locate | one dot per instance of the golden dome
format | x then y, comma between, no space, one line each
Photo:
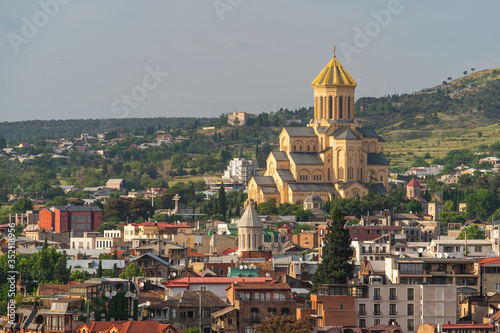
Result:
334,74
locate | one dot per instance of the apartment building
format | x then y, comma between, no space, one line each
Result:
71,218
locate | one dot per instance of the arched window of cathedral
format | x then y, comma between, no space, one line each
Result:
300,148
294,148
381,178
314,148
330,107
328,173
307,147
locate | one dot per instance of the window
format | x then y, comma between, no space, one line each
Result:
410,294
497,286
410,310
285,312
230,321
392,310
203,287
410,326
272,312
376,321
392,294
376,309
362,323
362,310
341,306
478,249
376,294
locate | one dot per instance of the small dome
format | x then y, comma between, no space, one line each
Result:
313,198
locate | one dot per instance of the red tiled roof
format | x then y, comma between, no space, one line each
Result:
163,225
413,182
51,289
230,250
490,261
183,282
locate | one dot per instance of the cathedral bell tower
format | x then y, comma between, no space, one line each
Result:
333,93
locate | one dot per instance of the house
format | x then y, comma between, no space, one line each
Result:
189,308
255,301
460,248
217,284
239,118
117,184
154,266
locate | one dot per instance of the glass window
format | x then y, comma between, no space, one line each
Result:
410,325
376,293
410,293
410,310
362,323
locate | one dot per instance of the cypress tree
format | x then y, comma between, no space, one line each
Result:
221,201
99,269
336,262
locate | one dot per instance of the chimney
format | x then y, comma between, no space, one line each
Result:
448,323
189,281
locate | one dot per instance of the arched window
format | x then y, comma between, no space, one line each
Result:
381,178
330,104
340,107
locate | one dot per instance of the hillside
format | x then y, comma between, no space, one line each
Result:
461,113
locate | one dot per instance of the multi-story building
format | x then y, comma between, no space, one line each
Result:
370,305
490,275
239,118
258,301
71,218
31,217
241,170
460,272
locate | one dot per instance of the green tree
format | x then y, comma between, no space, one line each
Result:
481,204
131,271
61,271
21,206
99,269
413,206
192,330
221,201
473,232
287,324
336,265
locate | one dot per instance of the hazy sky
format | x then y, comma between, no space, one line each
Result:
63,59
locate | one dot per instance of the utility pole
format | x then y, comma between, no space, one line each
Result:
199,293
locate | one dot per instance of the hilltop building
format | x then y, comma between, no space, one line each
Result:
333,156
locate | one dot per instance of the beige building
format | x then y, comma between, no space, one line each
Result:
333,156
239,118
408,305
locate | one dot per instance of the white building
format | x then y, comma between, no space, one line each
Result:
422,171
241,169
455,248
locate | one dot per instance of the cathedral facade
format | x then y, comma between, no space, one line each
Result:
334,156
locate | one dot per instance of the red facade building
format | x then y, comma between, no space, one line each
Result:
76,219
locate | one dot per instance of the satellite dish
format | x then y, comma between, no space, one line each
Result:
148,303
141,284
113,293
128,294
446,255
440,255
268,275
420,250
241,266
254,267
491,311
246,267
133,295
107,294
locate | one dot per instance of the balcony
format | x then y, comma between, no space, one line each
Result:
254,319
362,313
377,313
377,297
393,297
393,313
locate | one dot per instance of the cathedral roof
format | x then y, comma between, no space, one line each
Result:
300,131
334,74
347,134
269,189
306,158
377,159
313,198
250,218
285,175
380,188
264,180
367,132
312,187
280,155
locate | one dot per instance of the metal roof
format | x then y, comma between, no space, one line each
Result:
306,158
377,159
264,180
316,187
300,131
285,175
280,155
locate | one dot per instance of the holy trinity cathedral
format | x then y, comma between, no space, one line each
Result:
333,156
